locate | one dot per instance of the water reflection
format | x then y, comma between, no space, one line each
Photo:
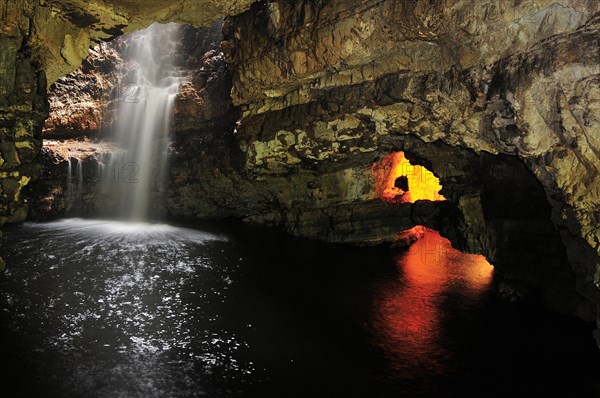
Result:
95,309
121,309
409,311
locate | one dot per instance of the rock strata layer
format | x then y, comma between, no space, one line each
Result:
328,84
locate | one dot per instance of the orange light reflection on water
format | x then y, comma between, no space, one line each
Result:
408,311
422,183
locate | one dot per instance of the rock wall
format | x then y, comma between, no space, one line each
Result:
23,109
85,102
324,84
64,30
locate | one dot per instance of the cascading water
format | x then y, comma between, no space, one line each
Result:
69,182
74,192
146,95
78,199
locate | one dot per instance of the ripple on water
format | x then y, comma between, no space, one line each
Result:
124,309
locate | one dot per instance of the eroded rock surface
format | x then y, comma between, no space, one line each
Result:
85,102
327,82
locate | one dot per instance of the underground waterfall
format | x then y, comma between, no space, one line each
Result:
133,171
144,119
300,199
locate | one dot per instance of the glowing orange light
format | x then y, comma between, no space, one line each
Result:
419,183
409,312
432,261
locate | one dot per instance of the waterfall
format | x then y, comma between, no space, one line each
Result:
69,195
146,97
74,186
78,188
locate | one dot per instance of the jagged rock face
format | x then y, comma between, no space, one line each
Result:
203,97
85,102
319,44
81,103
327,82
64,30
23,109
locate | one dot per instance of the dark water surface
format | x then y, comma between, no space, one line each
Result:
107,309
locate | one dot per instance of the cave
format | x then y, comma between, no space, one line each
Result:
241,198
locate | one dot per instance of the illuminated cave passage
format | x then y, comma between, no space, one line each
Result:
213,208
399,181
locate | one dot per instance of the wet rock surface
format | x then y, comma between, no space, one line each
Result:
324,83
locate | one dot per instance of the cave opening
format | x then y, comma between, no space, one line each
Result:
399,181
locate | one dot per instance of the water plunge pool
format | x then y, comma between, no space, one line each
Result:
108,309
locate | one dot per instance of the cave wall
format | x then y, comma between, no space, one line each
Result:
23,108
325,83
527,245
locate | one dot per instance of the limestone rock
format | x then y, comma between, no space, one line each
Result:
85,101
64,29
519,79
